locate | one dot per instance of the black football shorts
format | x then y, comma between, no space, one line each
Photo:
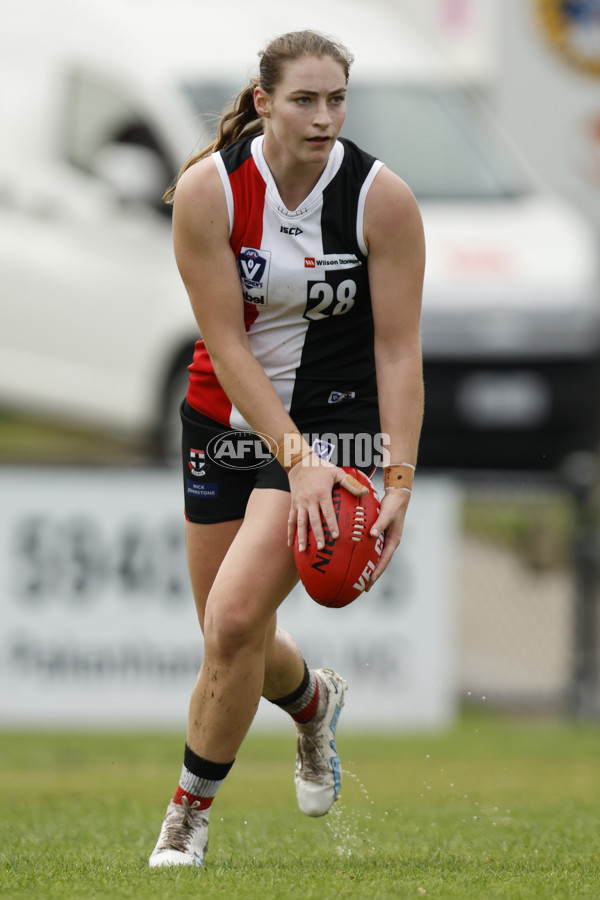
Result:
221,468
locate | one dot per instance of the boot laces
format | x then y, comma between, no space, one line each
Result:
180,824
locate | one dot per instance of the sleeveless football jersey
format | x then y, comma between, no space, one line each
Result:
305,289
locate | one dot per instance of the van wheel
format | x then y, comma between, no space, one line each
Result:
168,443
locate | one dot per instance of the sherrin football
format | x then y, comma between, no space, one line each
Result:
336,575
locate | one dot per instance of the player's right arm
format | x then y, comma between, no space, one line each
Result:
209,271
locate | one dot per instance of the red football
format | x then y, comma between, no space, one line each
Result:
337,574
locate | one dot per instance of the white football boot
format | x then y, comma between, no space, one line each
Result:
318,775
183,837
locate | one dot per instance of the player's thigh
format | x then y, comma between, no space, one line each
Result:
206,547
258,571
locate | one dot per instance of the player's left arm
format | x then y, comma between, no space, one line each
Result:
395,240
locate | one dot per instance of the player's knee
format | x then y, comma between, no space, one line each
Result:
229,631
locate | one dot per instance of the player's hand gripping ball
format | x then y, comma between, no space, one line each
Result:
336,575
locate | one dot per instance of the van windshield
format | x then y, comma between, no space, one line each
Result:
441,140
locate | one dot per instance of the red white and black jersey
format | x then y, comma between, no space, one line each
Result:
305,288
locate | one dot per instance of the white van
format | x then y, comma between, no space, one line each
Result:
101,101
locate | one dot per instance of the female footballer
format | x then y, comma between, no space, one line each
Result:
303,258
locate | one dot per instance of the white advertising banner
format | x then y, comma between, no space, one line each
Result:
98,626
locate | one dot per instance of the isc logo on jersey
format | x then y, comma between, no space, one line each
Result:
253,266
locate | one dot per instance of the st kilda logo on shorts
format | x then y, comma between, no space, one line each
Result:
197,463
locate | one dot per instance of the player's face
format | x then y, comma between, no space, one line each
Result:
305,113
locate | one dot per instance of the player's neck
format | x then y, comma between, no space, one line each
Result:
295,179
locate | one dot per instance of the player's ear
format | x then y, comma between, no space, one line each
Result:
262,102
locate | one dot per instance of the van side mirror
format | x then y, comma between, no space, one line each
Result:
135,173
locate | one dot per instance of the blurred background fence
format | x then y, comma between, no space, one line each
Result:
493,602
527,588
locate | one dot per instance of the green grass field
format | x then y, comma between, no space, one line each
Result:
493,808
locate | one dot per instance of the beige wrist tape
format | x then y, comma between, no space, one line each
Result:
291,450
401,477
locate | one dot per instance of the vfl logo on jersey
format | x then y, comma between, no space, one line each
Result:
323,449
253,266
340,396
197,463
